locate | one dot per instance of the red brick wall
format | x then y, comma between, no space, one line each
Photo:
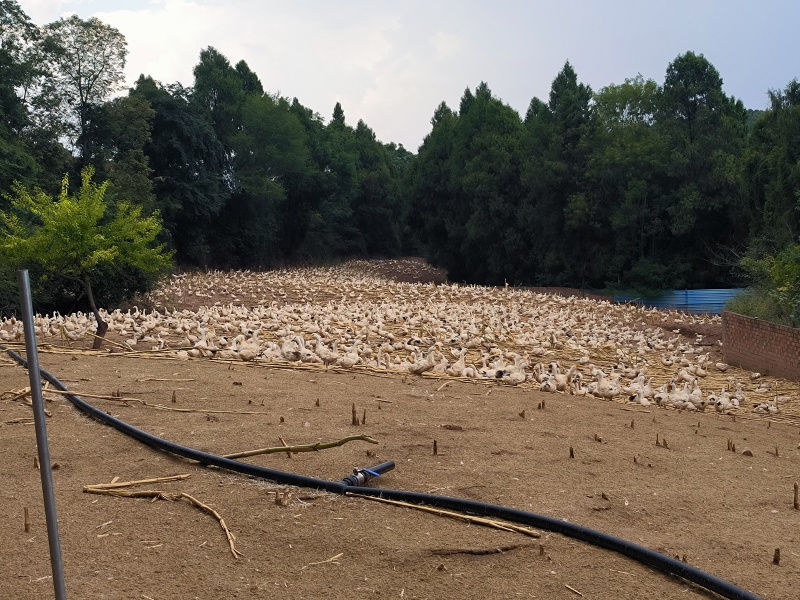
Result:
760,346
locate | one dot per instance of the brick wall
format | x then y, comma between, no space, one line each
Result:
756,345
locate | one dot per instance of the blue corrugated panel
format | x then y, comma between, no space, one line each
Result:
690,301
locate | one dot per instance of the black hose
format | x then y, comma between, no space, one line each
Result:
641,554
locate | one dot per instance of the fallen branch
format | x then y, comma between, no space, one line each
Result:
332,559
125,400
159,494
123,345
285,445
454,515
478,551
23,395
13,395
19,421
573,590
302,447
160,379
114,484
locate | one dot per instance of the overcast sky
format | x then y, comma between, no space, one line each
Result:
392,63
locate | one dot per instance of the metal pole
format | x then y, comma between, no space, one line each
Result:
41,435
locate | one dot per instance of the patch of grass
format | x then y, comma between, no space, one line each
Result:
759,304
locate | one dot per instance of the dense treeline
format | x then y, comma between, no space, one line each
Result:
641,184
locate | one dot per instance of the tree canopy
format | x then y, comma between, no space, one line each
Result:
77,239
641,184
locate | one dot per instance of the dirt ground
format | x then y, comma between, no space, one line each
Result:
690,497
725,512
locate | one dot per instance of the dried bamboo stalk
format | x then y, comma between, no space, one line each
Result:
115,484
303,447
158,406
172,496
454,515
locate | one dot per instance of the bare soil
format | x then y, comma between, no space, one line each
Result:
725,512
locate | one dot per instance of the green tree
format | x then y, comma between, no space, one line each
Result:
220,90
486,181
556,148
87,62
627,173
268,154
705,131
465,190
188,164
17,35
434,212
117,133
311,231
77,239
772,172
341,179
773,293
376,205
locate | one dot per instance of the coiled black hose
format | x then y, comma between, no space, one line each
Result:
638,553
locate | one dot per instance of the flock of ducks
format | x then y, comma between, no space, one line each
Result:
352,317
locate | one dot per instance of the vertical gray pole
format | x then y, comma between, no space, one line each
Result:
41,435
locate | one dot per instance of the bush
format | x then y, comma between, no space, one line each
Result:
775,288
759,304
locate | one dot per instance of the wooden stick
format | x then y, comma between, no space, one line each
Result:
285,445
796,496
303,447
13,395
573,590
114,484
27,520
332,559
211,511
478,552
160,494
454,515
18,421
160,406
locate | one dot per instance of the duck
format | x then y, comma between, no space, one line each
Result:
548,385
458,367
328,356
608,388
768,408
350,359
423,365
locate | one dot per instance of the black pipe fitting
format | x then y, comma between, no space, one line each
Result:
362,476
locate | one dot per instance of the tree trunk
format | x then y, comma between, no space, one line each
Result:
102,326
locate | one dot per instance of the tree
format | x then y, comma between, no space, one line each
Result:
772,172
627,170
17,34
465,189
75,239
434,214
269,151
117,133
219,90
187,162
557,141
88,58
705,131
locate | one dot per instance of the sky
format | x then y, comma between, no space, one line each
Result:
392,63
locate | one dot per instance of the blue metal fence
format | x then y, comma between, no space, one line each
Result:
690,301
